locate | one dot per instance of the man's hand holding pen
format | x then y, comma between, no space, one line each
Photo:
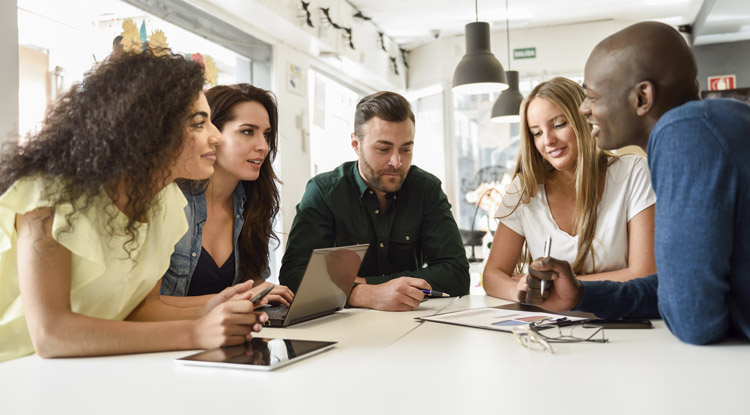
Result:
563,295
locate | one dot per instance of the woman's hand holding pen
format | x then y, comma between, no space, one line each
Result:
563,295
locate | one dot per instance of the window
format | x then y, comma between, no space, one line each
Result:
332,106
58,43
485,154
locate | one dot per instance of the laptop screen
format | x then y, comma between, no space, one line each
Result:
327,281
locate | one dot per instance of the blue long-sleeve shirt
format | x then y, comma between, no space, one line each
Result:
699,156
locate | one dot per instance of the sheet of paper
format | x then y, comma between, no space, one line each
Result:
493,318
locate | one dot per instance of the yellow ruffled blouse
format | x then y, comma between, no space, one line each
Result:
105,282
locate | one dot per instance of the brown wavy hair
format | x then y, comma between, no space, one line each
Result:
120,128
262,195
386,105
532,169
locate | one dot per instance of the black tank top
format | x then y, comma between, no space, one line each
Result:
209,278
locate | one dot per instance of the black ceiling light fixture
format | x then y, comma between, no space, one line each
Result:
506,108
478,72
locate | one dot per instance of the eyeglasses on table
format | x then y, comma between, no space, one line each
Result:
540,335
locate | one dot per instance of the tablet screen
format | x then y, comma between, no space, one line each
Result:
258,354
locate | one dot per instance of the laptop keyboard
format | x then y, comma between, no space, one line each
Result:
276,312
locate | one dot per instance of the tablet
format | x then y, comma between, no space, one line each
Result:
258,354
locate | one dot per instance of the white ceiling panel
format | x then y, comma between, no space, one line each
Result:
411,23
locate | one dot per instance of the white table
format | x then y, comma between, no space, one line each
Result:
390,363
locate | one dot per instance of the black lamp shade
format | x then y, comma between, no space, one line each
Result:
507,105
478,72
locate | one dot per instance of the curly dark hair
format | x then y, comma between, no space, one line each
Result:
121,128
263,193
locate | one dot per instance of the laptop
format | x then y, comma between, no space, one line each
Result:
325,286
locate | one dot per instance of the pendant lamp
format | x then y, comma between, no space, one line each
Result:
478,72
506,108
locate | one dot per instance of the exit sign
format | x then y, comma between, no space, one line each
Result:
524,53
722,82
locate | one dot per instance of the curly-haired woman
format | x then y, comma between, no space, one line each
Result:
89,215
231,217
597,208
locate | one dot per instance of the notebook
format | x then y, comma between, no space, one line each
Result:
503,318
325,286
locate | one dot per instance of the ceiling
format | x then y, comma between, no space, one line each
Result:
411,23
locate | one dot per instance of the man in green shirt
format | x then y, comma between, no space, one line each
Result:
381,199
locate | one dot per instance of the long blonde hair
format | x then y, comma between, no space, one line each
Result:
532,169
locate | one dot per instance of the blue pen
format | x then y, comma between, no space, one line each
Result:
433,293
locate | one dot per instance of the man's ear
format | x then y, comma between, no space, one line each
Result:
644,95
355,143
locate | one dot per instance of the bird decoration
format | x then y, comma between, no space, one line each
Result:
347,30
381,42
403,57
359,15
306,14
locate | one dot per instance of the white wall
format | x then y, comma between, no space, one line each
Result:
8,69
294,140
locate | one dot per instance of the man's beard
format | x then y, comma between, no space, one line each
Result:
376,179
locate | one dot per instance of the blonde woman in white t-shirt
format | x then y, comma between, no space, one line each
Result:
597,208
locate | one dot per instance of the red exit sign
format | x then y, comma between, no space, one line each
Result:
722,82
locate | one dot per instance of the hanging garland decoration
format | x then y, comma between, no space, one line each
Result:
403,57
381,42
306,15
359,15
347,30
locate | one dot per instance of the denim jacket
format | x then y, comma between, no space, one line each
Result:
177,279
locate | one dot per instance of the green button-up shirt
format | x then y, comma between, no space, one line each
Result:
415,236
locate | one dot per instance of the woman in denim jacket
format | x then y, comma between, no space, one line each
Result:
230,217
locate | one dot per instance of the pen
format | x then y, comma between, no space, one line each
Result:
433,293
255,300
547,248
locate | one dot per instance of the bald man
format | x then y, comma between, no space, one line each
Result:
642,89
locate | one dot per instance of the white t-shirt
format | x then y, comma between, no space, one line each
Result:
627,191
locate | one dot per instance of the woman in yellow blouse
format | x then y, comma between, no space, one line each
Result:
89,216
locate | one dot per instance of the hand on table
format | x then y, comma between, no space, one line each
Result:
400,294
